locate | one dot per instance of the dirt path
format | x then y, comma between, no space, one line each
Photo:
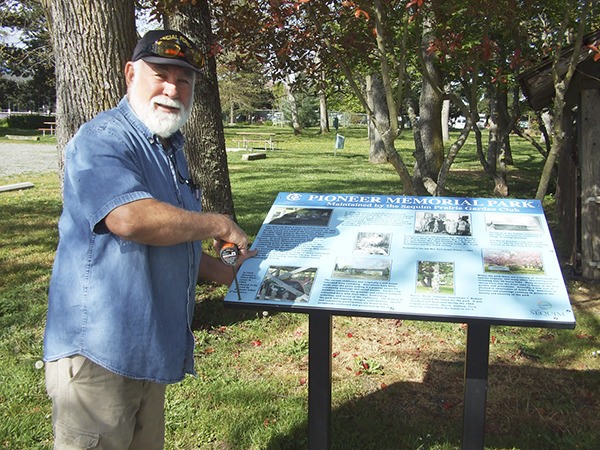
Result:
20,158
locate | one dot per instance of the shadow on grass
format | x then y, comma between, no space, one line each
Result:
211,313
28,238
527,408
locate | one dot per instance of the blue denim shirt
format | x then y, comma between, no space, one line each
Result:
126,306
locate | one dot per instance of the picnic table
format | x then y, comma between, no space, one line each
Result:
246,139
50,127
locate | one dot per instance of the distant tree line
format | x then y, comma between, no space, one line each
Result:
401,61
27,81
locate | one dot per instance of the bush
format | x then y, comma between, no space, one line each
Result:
28,121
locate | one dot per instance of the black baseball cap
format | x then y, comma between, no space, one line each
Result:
168,47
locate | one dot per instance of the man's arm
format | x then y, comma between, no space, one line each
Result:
151,222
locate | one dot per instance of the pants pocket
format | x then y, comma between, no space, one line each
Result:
69,438
61,372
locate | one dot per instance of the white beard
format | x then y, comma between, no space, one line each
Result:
161,123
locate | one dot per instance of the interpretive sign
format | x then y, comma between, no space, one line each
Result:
456,259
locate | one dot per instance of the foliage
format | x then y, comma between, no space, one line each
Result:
343,42
306,106
242,90
27,121
26,56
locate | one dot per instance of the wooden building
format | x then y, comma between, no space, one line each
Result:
578,181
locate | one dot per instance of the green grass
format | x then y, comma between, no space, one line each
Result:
251,388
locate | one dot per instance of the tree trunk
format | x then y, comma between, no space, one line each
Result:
505,124
205,146
557,135
496,164
445,119
546,125
323,115
430,124
92,41
493,137
293,109
378,104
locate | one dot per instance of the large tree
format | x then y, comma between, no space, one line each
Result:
205,146
92,40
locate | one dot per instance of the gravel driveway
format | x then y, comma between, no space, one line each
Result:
23,157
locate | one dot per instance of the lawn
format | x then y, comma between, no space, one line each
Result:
396,384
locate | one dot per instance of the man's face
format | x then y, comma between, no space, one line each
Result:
160,95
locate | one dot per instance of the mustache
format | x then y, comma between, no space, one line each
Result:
166,101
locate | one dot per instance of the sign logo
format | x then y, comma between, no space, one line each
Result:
293,197
542,304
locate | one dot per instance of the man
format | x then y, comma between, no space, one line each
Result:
121,296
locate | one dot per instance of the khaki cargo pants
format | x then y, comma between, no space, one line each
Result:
93,408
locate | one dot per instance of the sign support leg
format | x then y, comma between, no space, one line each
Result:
476,378
319,380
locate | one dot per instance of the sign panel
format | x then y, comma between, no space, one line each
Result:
426,258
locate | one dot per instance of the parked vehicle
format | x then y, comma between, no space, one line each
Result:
459,123
482,122
523,123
